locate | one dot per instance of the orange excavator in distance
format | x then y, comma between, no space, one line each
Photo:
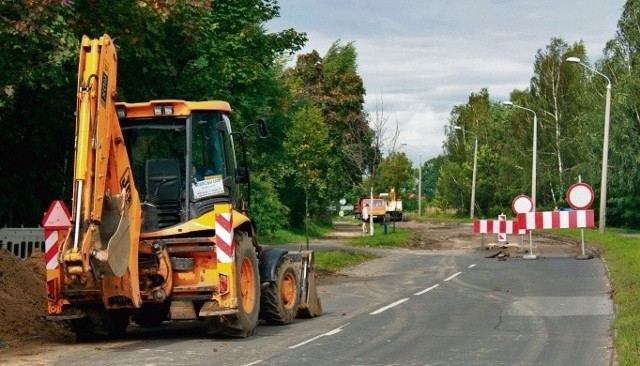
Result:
159,228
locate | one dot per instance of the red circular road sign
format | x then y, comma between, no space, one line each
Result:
522,204
580,196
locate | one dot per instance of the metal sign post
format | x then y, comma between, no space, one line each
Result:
580,197
524,204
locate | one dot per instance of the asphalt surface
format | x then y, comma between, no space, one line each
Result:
408,307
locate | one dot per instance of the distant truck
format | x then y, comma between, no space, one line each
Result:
393,206
377,208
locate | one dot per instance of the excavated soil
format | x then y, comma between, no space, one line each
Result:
22,304
442,236
459,236
23,328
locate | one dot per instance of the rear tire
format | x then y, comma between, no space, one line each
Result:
279,300
100,324
151,315
248,289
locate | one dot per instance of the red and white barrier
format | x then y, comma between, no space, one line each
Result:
574,219
497,227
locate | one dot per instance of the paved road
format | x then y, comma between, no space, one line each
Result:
459,308
406,308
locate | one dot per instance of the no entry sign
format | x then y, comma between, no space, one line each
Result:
522,204
580,196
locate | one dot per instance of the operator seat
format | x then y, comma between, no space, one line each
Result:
163,189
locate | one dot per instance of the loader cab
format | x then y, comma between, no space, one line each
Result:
182,157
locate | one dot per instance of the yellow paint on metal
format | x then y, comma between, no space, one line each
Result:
204,222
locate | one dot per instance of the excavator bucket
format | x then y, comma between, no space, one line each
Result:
310,305
112,259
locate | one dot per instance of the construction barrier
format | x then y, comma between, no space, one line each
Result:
22,241
497,227
574,219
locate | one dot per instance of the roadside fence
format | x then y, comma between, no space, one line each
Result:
22,241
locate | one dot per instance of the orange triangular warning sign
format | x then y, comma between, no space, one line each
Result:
57,216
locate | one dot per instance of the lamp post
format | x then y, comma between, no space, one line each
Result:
605,146
475,164
419,184
535,149
533,171
419,179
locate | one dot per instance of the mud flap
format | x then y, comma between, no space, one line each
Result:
310,305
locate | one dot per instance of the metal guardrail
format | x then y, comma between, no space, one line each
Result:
22,241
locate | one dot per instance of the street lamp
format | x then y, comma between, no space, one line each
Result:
533,170
605,145
535,149
475,161
419,179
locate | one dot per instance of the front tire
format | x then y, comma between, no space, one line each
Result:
279,300
247,288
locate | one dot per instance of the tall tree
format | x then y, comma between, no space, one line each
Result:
38,48
395,170
167,49
333,85
430,174
498,157
621,64
308,146
555,95
384,138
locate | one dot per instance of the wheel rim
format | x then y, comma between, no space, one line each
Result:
288,290
247,285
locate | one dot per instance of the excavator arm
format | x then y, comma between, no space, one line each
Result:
106,213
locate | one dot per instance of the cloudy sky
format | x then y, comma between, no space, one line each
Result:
420,58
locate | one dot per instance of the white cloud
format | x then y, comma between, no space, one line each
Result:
421,58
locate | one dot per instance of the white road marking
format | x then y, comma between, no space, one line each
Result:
331,332
376,312
452,276
253,363
388,306
426,290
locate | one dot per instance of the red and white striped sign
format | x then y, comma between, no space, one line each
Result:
51,249
502,236
224,238
497,227
556,219
56,218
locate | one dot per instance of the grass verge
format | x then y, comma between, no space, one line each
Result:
397,238
295,235
335,260
329,261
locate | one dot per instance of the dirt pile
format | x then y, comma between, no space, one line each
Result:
23,302
440,235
